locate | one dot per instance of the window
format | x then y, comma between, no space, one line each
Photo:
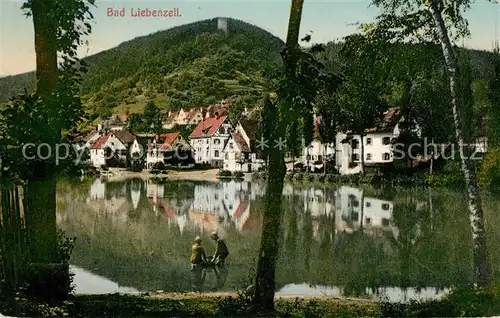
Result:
368,156
208,141
355,157
355,216
355,144
368,220
320,158
386,156
385,222
226,156
385,206
216,154
216,141
368,204
368,141
386,140
355,203
216,196
230,145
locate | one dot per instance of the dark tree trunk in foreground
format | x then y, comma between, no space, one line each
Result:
482,267
265,283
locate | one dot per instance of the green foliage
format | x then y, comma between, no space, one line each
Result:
187,66
450,176
494,107
238,175
225,173
158,166
489,173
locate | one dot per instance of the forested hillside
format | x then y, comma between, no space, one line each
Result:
190,66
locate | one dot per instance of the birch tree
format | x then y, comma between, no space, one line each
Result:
441,22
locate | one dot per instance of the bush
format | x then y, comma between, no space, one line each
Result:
136,166
159,166
489,173
238,175
225,173
320,178
298,176
331,178
309,177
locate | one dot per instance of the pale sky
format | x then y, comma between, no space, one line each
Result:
328,20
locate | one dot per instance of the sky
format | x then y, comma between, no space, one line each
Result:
328,20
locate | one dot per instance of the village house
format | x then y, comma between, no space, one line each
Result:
317,153
114,149
208,140
377,142
194,116
168,148
240,153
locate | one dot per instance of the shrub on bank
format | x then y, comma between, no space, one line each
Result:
489,173
238,175
225,174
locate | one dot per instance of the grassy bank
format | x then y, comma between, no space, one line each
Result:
467,303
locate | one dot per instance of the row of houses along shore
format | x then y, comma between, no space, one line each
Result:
234,146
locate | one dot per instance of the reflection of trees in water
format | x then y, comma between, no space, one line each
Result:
420,252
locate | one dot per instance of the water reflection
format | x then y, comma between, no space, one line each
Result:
346,241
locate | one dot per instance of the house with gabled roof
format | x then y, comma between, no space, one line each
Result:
208,140
114,149
240,150
168,148
377,143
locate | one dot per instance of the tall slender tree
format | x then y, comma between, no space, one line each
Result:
435,20
291,105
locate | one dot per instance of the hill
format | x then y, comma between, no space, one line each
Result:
195,64
192,65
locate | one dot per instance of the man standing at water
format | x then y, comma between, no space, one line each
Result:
221,251
198,260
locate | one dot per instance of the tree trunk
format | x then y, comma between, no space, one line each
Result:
269,247
45,30
265,283
40,205
483,271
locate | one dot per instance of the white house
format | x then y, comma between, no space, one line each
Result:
208,140
377,142
167,146
240,152
113,149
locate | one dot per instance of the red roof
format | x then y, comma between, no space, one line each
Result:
238,139
208,127
169,138
99,143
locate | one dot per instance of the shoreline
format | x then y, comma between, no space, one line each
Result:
120,174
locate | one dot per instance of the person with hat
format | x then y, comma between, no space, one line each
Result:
221,251
198,260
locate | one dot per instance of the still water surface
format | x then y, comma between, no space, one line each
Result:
135,236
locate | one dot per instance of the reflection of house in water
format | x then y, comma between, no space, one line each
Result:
222,204
108,202
170,207
356,211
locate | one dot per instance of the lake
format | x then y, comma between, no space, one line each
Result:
399,244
